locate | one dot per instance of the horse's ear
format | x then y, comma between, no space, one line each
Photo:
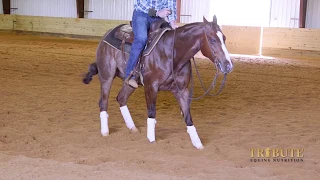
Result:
205,20
215,21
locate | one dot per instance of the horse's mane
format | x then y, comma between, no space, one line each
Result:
196,24
191,25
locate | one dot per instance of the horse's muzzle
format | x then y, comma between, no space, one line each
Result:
229,67
225,68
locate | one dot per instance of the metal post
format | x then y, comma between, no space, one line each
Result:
6,6
80,8
303,13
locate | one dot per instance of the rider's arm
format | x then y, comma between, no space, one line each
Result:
172,4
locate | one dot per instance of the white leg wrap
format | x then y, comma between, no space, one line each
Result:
151,129
104,123
127,117
194,137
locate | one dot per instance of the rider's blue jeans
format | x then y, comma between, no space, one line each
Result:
140,24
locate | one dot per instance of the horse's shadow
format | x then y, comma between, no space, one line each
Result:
164,133
115,128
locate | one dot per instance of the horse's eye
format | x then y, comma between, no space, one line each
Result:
213,40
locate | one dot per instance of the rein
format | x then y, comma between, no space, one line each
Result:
213,84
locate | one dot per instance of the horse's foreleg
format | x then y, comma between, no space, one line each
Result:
122,99
183,99
151,98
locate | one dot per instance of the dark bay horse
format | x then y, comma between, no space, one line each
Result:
166,68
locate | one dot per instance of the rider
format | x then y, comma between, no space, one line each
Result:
145,12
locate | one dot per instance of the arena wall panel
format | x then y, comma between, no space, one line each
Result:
243,39
73,26
298,43
7,21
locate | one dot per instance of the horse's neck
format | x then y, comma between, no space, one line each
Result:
189,41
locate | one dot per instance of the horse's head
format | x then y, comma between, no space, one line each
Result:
213,46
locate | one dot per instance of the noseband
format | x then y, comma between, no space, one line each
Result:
213,84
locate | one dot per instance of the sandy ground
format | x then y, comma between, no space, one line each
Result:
50,129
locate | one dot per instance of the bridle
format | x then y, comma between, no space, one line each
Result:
213,84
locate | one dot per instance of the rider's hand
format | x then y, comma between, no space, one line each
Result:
173,24
163,12
152,12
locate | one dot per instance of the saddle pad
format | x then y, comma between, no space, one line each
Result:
116,43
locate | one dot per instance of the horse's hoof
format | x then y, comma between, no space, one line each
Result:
105,134
134,130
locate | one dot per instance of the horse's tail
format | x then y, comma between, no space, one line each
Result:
93,70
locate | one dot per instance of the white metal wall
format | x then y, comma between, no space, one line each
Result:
193,11
109,9
285,13
313,14
1,7
241,12
54,8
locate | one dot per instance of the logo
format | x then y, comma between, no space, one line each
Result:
276,155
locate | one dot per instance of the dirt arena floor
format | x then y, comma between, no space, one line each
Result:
50,127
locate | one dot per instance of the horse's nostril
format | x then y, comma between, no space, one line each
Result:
218,65
229,67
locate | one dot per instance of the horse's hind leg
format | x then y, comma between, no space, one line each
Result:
183,99
107,69
103,104
122,99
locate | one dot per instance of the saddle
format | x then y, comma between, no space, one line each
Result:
125,32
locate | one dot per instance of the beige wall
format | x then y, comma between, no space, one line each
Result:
74,26
276,42
291,43
242,39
